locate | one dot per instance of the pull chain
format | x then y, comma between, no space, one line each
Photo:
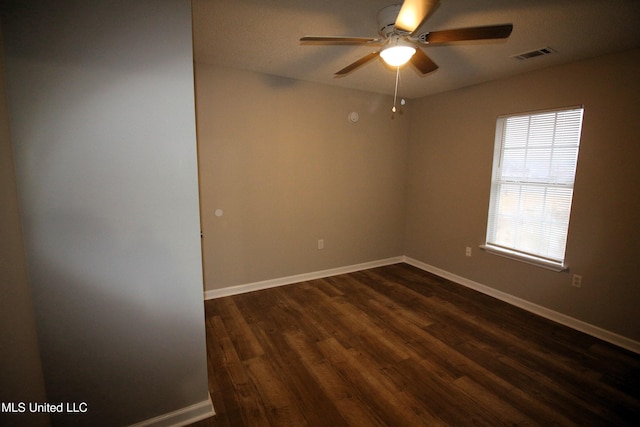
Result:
395,94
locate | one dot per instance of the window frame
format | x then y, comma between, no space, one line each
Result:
497,181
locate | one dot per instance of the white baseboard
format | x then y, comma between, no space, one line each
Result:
182,417
266,284
563,319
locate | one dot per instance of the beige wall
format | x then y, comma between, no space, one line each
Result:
20,366
287,168
451,149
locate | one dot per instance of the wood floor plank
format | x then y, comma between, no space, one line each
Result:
377,391
396,346
301,384
228,378
239,331
320,310
584,410
512,387
440,396
507,414
228,357
280,408
334,386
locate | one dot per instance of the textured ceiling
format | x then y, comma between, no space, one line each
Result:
263,36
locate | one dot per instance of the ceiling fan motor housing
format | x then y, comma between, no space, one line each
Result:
387,20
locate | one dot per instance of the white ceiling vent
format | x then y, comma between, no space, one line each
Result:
532,54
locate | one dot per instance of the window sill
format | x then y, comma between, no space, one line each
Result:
549,265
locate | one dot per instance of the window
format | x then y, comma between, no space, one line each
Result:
534,168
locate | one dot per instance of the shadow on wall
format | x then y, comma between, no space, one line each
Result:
110,333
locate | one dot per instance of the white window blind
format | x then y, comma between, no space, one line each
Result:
532,184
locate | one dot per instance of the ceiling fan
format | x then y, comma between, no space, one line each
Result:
400,43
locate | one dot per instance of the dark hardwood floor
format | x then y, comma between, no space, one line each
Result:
396,346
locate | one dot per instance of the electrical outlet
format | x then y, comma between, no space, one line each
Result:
320,243
468,251
576,281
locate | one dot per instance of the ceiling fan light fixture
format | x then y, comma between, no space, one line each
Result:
397,54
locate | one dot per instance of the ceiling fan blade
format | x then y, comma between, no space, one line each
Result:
337,40
413,13
422,62
472,33
359,62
